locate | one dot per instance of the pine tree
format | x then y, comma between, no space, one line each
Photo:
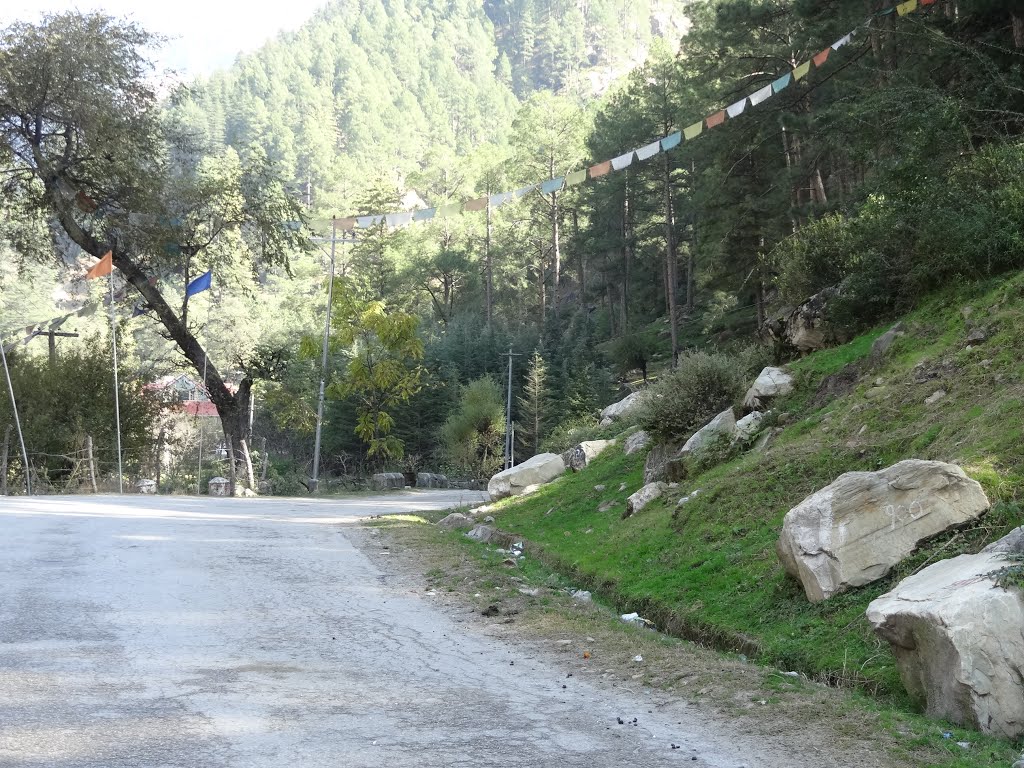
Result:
534,404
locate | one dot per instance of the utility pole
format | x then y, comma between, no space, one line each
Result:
334,239
17,420
509,436
52,341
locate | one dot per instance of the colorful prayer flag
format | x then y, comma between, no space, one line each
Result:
501,198
345,225
693,131
524,191
671,141
904,8
551,186
822,57
479,204
648,151
927,2
622,161
761,95
576,177
844,40
801,72
424,214
782,82
200,284
601,169
716,119
735,110
103,267
447,211
400,219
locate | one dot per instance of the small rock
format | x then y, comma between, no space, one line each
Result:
455,521
622,487
509,562
599,488
481,533
977,336
581,595
638,658
489,519
935,397
529,592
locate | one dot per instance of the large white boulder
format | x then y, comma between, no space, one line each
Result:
959,640
748,427
583,453
855,530
643,497
384,481
542,468
721,427
771,382
621,409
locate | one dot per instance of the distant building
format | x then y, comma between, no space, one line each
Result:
183,393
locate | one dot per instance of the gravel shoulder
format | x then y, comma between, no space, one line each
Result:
768,717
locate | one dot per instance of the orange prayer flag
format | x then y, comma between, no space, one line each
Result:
345,225
716,119
822,57
600,169
477,205
103,267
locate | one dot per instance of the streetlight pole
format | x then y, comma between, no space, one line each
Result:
17,421
334,239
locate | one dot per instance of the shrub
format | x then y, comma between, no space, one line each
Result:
686,399
473,436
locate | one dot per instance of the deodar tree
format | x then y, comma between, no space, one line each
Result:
83,138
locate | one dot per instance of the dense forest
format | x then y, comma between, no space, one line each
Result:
885,169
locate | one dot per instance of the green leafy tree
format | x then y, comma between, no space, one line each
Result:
383,352
473,436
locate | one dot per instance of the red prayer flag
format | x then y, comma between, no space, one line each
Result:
822,57
477,205
345,225
716,119
103,267
601,169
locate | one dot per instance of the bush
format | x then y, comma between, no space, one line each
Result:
571,433
686,399
473,436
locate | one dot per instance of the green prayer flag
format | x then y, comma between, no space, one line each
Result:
575,178
693,131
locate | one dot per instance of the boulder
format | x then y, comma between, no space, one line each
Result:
748,427
454,521
384,481
583,453
656,465
881,345
621,409
482,533
219,486
542,468
431,480
636,442
722,427
147,487
643,497
855,530
957,639
770,383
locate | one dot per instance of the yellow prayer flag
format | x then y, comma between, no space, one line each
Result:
904,8
801,72
102,268
693,131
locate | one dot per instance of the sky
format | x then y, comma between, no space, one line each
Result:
206,34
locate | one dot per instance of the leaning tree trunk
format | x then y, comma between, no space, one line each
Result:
229,407
1017,21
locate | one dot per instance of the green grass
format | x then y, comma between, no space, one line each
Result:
708,570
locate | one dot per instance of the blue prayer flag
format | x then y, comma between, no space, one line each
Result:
199,285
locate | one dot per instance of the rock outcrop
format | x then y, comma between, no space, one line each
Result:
636,442
643,497
656,467
719,428
770,383
583,453
855,530
542,468
958,639
384,481
620,410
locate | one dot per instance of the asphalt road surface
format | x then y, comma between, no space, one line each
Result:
199,633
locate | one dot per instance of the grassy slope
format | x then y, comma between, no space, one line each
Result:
709,571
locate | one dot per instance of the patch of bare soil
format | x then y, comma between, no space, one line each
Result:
524,605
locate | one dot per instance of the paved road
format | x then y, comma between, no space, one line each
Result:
201,633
